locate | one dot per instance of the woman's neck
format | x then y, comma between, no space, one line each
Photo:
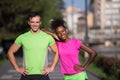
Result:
66,40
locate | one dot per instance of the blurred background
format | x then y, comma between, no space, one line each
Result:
95,22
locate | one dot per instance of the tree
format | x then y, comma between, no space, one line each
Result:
91,2
13,13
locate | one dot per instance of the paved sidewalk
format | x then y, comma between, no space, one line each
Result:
8,73
57,76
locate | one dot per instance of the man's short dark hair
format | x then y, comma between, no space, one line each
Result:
33,14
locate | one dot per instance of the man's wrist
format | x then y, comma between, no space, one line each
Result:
16,68
51,69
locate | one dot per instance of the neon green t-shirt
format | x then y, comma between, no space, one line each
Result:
35,49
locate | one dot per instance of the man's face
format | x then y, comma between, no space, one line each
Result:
35,23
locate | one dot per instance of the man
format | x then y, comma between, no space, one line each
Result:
35,44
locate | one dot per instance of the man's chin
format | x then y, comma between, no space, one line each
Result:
35,30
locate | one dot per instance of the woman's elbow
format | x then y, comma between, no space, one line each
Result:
94,54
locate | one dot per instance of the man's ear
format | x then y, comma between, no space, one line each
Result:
40,22
28,22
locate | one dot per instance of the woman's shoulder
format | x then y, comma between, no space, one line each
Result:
75,39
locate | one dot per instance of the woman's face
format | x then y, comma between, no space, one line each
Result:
62,33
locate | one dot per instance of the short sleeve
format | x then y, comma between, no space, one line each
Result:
52,41
78,43
18,40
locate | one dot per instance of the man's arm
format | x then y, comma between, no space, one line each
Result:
54,62
13,49
56,57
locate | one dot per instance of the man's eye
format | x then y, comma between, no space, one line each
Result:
32,22
37,22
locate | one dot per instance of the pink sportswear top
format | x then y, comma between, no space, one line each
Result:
69,55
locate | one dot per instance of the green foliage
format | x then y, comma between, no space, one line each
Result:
60,4
110,66
91,2
99,61
106,68
13,13
97,71
2,61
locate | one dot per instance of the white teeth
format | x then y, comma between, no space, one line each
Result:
34,27
63,36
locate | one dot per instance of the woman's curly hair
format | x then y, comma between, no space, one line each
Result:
55,23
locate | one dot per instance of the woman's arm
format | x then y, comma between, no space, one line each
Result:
50,33
92,55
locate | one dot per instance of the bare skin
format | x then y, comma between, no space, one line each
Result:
34,23
62,35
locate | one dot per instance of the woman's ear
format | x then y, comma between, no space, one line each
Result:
67,30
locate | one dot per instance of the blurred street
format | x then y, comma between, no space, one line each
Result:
8,73
107,51
95,22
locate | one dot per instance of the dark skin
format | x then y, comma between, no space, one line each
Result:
92,55
62,35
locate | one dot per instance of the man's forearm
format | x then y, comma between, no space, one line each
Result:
13,49
13,60
55,61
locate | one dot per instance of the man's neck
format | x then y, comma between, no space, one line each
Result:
35,32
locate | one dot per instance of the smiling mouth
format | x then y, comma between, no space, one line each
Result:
35,27
62,36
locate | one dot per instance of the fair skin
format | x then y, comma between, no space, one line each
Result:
62,34
34,23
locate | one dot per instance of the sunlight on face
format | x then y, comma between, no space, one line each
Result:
61,33
35,23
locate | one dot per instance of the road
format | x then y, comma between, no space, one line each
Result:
108,51
8,73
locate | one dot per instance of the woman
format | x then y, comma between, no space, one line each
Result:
69,49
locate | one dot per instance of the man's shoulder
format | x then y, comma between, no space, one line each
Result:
45,34
24,34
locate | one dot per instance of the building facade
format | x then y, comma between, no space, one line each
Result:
107,14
